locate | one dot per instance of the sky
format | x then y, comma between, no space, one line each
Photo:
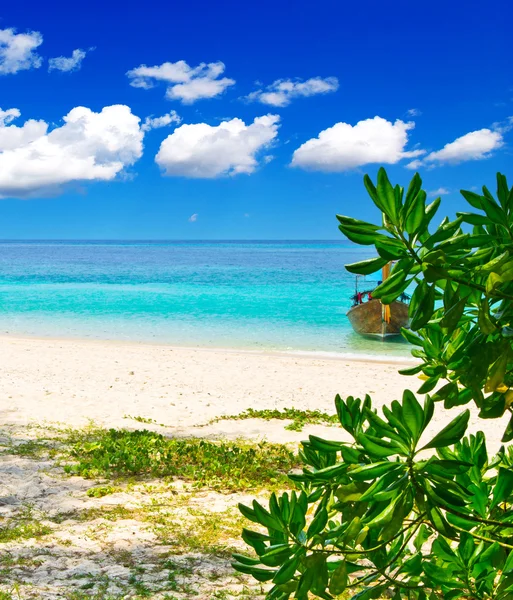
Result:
244,120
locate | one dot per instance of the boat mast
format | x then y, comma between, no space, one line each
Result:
385,308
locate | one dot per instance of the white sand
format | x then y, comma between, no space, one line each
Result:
72,382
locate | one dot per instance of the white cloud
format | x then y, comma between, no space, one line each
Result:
283,91
204,151
185,83
413,112
475,145
163,121
503,126
65,64
89,146
7,116
17,51
193,218
441,191
344,147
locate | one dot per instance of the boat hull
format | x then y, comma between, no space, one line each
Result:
367,318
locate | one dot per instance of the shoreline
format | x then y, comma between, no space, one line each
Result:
183,392
307,354
75,382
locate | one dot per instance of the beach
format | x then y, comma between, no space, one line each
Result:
63,533
180,391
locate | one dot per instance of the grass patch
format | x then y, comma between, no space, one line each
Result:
202,532
23,527
31,449
102,490
299,418
219,465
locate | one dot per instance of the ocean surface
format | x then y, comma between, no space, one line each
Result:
281,296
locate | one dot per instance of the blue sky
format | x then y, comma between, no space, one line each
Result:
268,139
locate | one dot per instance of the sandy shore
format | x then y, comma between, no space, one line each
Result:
73,382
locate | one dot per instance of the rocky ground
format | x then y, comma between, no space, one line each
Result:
67,537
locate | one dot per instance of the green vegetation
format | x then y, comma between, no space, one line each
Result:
23,527
299,418
390,513
219,465
102,490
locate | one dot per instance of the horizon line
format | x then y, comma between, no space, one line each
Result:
220,240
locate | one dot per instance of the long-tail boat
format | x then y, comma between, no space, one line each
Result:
371,318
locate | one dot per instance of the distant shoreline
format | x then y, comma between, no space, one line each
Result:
306,354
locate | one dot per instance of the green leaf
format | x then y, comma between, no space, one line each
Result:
411,370
503,487
438,574
386,515
390,248
387,198
422,305
452,316
429,384
318,523
245,560
377,447
259,573
440,523
416,213
371,190
305,584
366,267
338,580
412,337
276,555
393,286
473,199
265,518
359,235
325,445
484,320
431,210
351,222
450,434
374,470
287,570
494,280
472,218
493,211
413,414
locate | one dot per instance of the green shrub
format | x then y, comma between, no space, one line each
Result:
234,466
389,515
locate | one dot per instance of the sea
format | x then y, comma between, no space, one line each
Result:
281,296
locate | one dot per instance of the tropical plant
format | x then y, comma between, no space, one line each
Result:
397,512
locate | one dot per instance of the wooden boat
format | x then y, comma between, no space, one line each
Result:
370,317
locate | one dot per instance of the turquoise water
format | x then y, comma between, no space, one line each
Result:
284,296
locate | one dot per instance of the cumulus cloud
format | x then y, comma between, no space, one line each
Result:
184,83
68,64
413,112
441,191
205,151
344,146
193,218
163,121
17,51
89,146
475,145
283,91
